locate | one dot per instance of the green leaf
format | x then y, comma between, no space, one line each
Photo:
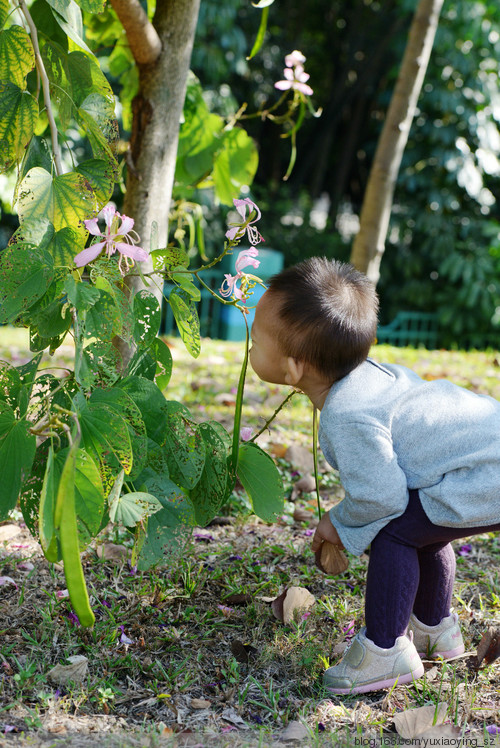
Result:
212,489
81,295
169,258
151,403
132,508
185,281
4,11
69,17
25,275
104,433
147,316
235,165
124,323
119,401
184,447
10,385
65,245
64,200
17,452
261,480
101,176
89,497
17,57
97,114
186,317
92,6
18,114
169,528
37,154
161,353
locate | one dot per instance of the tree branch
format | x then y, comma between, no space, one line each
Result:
144,42
46,88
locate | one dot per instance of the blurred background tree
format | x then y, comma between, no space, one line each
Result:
443,246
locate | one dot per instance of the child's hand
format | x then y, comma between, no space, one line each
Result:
325,531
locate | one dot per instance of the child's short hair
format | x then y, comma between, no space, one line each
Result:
328,314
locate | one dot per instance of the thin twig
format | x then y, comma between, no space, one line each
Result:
271,419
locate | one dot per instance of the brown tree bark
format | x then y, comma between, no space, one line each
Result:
162,51
369,243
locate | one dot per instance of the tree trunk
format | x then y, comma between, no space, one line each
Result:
369,244
157,111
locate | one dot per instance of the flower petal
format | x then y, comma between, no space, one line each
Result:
283,85
89,254
92,227
246,257
108,213
294,58
127,224
130,250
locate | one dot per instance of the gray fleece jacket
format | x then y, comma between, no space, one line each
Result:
387,430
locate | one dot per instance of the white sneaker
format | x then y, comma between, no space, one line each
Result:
366,667
443,640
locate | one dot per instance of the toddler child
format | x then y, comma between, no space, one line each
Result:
419,462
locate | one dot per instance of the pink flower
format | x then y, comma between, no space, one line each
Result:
246,433
294,58
295,79
229,287
112,235
238,231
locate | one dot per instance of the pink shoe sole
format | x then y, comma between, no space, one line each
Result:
401,680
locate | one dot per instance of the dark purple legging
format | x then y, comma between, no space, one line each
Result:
412,568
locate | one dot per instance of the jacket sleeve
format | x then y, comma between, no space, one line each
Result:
375,486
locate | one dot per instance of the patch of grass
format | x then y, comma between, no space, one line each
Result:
173,649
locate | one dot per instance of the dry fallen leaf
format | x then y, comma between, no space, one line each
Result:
330,558
488,648
413,722
306,484
300,457
112,552
8,531
200,704
441,735
300,514
290,601
75,672
295,731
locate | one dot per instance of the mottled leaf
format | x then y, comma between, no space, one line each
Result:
65,200
147,318
26,272
186,317
17,57
17,451
18,114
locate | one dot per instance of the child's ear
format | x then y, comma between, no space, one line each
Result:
294,372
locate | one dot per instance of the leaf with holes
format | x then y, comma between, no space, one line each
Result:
17,452
147,316
161,354
65,200
184,446
105,432
186,317
101,177
26,273
212,489
132,508
17,57
119,401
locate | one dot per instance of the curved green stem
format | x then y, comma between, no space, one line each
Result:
315,458
239,402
